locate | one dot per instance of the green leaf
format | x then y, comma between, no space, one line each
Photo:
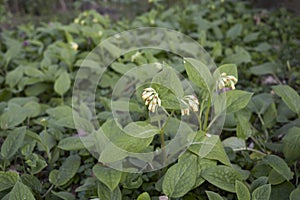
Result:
33,109
13,77
66,171
110,177
237,100
275,178
64,195
235,143
291,141
279,165
242,191
266,68
144,196
238,58
289,96
209,147
199,73
32,182
105,193
141,129
213,196
71,144
234,31
60,112
180,178
168,78
222,176
62,84
229,69
262,192
13,116
12,143
263,180
295,194
8,180
281,191
20,191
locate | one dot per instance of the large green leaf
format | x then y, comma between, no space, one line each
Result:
242,191
62,84
266,68
141,129
20,191
8,179
262,192
222,176
235,143
32,182
180,178
279,165
110,177
199,73
295,194
236,100
12,143
289,96
71,143
66,172
291,141
105,193
13,116
213,196
169,79
209,147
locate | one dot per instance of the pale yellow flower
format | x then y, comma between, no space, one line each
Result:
150,96
227,81
190,102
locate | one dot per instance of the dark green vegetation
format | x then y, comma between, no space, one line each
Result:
258,152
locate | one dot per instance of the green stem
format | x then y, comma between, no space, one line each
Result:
162,141
206,115
200,115
263,125
49,190
296,173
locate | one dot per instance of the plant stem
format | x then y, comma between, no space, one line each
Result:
162,141
296,173
49,190
263,125
200,115
206,115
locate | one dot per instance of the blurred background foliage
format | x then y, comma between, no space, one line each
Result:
16,12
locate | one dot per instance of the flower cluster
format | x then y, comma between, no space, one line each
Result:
189,102
227,81
150,96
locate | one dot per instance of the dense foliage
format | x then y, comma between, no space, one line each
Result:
255,157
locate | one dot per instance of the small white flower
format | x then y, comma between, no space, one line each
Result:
74,45
189,102
135,56
227,81
150,96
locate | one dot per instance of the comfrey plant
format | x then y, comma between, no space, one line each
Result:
205,158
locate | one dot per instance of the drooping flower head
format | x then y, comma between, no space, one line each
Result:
227,81
190,102
150,96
